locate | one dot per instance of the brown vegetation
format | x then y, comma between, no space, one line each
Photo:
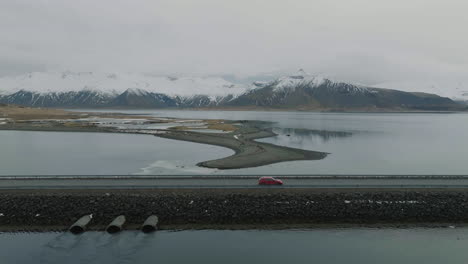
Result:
28,113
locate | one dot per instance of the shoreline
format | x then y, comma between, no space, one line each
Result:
239,135
269,227
264,209
248,152
262,109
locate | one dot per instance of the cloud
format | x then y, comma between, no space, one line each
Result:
10,66
362,40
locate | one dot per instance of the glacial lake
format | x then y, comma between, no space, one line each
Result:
358,143
359,245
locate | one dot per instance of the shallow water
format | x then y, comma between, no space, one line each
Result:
362,143
442,245
58,153
359,143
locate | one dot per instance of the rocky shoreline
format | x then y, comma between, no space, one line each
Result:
233,209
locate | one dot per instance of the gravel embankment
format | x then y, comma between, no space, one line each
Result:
35,210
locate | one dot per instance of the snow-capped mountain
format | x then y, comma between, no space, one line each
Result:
297,91
303,91
84,98
455,90
303,79
110,89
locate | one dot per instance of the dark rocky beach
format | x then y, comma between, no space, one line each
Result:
48,210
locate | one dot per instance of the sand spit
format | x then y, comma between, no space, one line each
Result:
248,152
237,135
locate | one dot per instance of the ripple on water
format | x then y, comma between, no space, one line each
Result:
353,245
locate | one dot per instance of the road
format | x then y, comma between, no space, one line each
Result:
234,181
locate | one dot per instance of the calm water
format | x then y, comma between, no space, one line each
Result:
359,246
46,153
358,143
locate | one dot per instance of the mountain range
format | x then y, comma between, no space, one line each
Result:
299,91
454,89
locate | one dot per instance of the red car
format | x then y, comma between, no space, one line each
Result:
269,181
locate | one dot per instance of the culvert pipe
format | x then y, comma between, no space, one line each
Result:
80,225
150,225
116,225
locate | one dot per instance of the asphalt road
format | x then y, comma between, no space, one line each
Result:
242,182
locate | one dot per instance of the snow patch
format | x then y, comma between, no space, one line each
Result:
453,89
114,84
302,79
293,81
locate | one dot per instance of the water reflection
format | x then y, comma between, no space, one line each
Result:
325,135
356,245
305,138
94,247
364,144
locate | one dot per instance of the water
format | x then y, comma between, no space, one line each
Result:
359,143
58,153
385,246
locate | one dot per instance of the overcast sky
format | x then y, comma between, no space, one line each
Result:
367,41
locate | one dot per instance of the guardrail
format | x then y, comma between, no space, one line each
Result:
250,176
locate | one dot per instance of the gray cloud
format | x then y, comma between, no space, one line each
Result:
10,67
366,41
